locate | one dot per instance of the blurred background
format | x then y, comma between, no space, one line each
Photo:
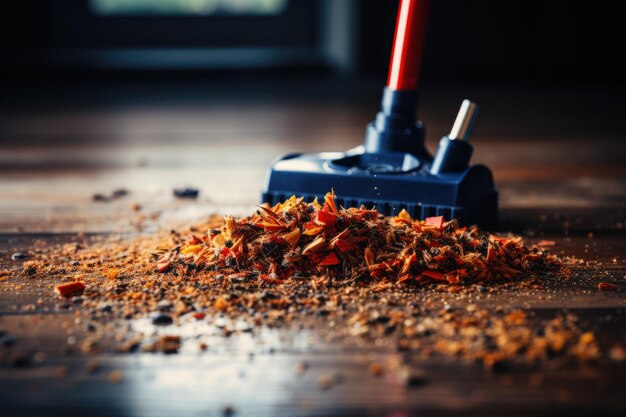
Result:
469,41
148,95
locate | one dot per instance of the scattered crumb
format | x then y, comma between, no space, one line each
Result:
376,369
92,366
169,344
617,353
115,377
300,368
62,372
326,381
607,286
411,377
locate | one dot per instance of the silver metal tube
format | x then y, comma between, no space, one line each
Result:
462,128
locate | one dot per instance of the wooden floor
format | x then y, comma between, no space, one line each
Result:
557,154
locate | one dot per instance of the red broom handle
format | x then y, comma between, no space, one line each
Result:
408,44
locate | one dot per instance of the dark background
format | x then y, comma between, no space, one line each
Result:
468,41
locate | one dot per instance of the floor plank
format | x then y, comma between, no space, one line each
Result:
557,182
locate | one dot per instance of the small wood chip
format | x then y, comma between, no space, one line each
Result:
315,246
326,381
62,372
169,344
301,368
92,366
607,286
71,289
376,369
115,377
411,377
